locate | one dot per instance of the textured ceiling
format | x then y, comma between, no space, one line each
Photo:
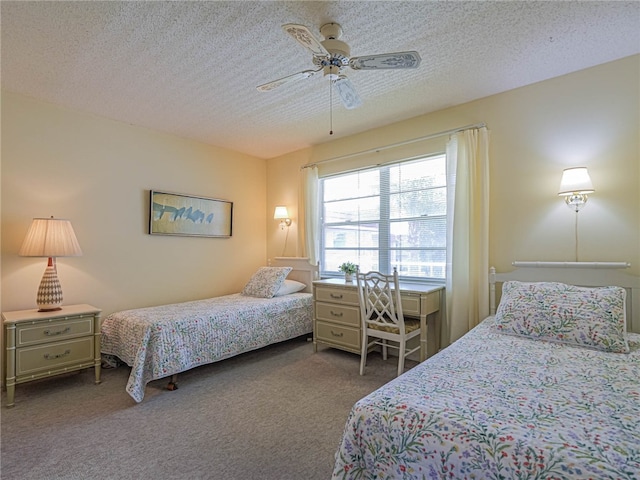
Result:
191,68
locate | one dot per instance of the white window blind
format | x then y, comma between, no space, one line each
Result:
385,217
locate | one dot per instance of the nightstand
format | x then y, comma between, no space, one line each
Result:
43,344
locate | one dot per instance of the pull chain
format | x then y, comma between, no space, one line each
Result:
330,108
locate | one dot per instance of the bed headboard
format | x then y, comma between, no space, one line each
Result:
302,271
584,274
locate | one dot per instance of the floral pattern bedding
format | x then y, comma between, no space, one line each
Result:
160,341
496,406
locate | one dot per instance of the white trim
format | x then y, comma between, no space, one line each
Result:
572,264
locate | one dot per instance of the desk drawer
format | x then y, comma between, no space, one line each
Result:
336,313
47,332
410,305
30,360
431,303
338,335
337,295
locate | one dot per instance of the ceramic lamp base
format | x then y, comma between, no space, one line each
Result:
49,296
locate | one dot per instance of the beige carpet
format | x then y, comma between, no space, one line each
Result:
275,413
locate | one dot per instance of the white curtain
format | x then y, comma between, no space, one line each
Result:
467,289
311,209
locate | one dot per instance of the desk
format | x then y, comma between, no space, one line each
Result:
337,323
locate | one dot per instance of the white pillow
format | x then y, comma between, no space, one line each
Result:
266,282
289,286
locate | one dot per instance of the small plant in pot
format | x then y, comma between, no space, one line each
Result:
349,269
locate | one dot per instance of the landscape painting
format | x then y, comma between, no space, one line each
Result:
178,214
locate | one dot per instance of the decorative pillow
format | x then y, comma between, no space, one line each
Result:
266,282
592,317
289,286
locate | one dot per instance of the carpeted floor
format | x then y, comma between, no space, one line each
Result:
275,413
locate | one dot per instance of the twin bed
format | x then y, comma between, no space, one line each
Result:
546,388
156,342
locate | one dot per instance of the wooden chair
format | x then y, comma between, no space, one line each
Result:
382,319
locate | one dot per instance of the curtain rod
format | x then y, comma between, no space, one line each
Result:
399,144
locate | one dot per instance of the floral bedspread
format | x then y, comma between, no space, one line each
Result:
160,341
493,406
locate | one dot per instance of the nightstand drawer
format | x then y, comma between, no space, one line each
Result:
46,332
337,295
336,313
43,344
338,335
30,360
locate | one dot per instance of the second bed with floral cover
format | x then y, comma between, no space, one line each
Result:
498,406
157,342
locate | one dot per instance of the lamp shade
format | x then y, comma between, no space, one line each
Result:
575,180
280,213
50,237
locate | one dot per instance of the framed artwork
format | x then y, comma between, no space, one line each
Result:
179,214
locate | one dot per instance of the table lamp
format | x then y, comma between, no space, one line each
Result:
50,237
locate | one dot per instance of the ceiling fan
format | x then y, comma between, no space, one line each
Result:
332,56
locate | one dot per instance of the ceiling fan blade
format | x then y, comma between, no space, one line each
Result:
385,61
290,78
348,95
305,38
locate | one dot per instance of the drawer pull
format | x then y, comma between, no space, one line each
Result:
341,334
338,314
60,355
50,333
336,296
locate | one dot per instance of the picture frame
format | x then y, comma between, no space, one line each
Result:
189,215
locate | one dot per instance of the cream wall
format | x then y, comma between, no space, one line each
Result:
98,173
588,118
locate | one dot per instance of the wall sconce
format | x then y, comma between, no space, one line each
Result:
50,237
574,187
282,215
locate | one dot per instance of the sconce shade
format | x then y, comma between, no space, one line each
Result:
50,237
280,213
575,180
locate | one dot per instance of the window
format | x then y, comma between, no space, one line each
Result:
385,217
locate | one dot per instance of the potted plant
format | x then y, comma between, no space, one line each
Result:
349,269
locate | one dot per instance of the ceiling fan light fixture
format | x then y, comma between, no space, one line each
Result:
331,71
348,95
332,56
